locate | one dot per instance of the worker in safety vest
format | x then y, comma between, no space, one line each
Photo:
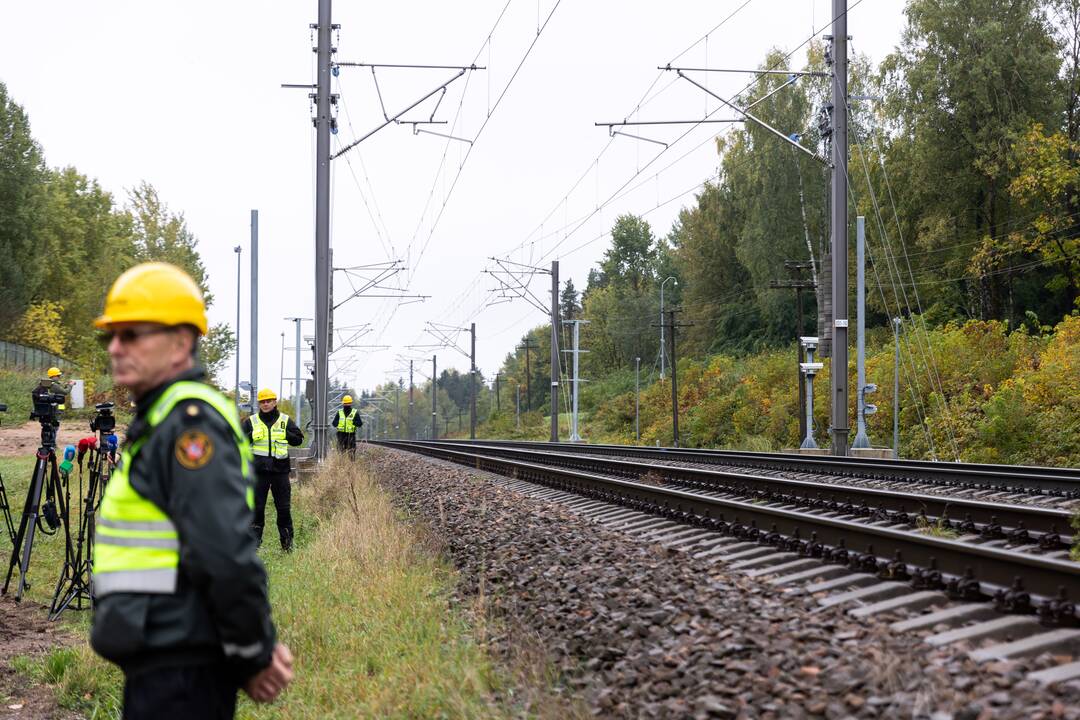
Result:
271,433
181,601
53,385
348,422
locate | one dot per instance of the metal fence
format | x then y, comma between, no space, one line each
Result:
14,356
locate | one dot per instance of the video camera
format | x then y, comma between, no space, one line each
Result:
45,405
104,421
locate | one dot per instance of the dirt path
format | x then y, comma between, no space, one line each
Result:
25,630
25,439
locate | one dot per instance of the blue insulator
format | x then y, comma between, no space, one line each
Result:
335,70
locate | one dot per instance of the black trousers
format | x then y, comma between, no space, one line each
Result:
181,693
279,485
347,441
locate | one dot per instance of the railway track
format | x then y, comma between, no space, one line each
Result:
978,587
1009,552
1014,479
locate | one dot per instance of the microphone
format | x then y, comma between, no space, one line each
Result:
69,455
85,445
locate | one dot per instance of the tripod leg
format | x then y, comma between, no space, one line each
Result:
24,538
5,508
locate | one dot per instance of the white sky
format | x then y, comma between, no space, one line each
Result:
186,95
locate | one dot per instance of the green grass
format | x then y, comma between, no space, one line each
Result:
362,602
935,529
1074,552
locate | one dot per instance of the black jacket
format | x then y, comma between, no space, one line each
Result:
221,599
295,436
356,421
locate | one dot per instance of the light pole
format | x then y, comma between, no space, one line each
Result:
662,323
236,386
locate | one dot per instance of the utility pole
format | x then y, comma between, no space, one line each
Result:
517,405
236,386
408,423
799,285
498,409
838,361
281,367
472,383
673,327
574,436
896,390
254,308
637,399
322,228
298,388
527,346
434,397
662,323
397,411
555,364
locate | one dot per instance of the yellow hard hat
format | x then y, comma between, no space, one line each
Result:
155,292
347,400
267,394
54,372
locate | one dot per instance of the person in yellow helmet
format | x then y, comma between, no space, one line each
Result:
51,384
271,432
181,601
348,423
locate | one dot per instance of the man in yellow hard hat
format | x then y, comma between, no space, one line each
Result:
348,422
271,432
181,601
52,384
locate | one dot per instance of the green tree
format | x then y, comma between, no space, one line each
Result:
160,234
22,174
967,79
569,305
215,350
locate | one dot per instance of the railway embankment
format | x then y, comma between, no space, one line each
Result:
636,628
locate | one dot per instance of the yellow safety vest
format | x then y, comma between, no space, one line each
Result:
346,423
265,441
137,548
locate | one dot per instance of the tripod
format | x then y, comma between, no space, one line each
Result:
76,576
46,477
5,506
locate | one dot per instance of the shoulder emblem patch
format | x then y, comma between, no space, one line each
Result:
193,449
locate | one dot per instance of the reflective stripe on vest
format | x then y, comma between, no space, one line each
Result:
137,547
346,423
266,440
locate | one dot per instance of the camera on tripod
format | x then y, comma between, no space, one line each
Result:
46,406
104,421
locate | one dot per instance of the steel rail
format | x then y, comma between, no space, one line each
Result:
1006,477
893,505
994,568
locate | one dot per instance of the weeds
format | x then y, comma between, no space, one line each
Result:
937,528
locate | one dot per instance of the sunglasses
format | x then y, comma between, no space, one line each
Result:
128,335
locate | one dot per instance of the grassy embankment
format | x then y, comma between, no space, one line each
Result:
976,392
364,604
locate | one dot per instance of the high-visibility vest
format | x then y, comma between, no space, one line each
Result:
270,442
346,423
137,548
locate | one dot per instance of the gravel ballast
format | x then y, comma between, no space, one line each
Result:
637,630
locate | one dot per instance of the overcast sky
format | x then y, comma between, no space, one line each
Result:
186,95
